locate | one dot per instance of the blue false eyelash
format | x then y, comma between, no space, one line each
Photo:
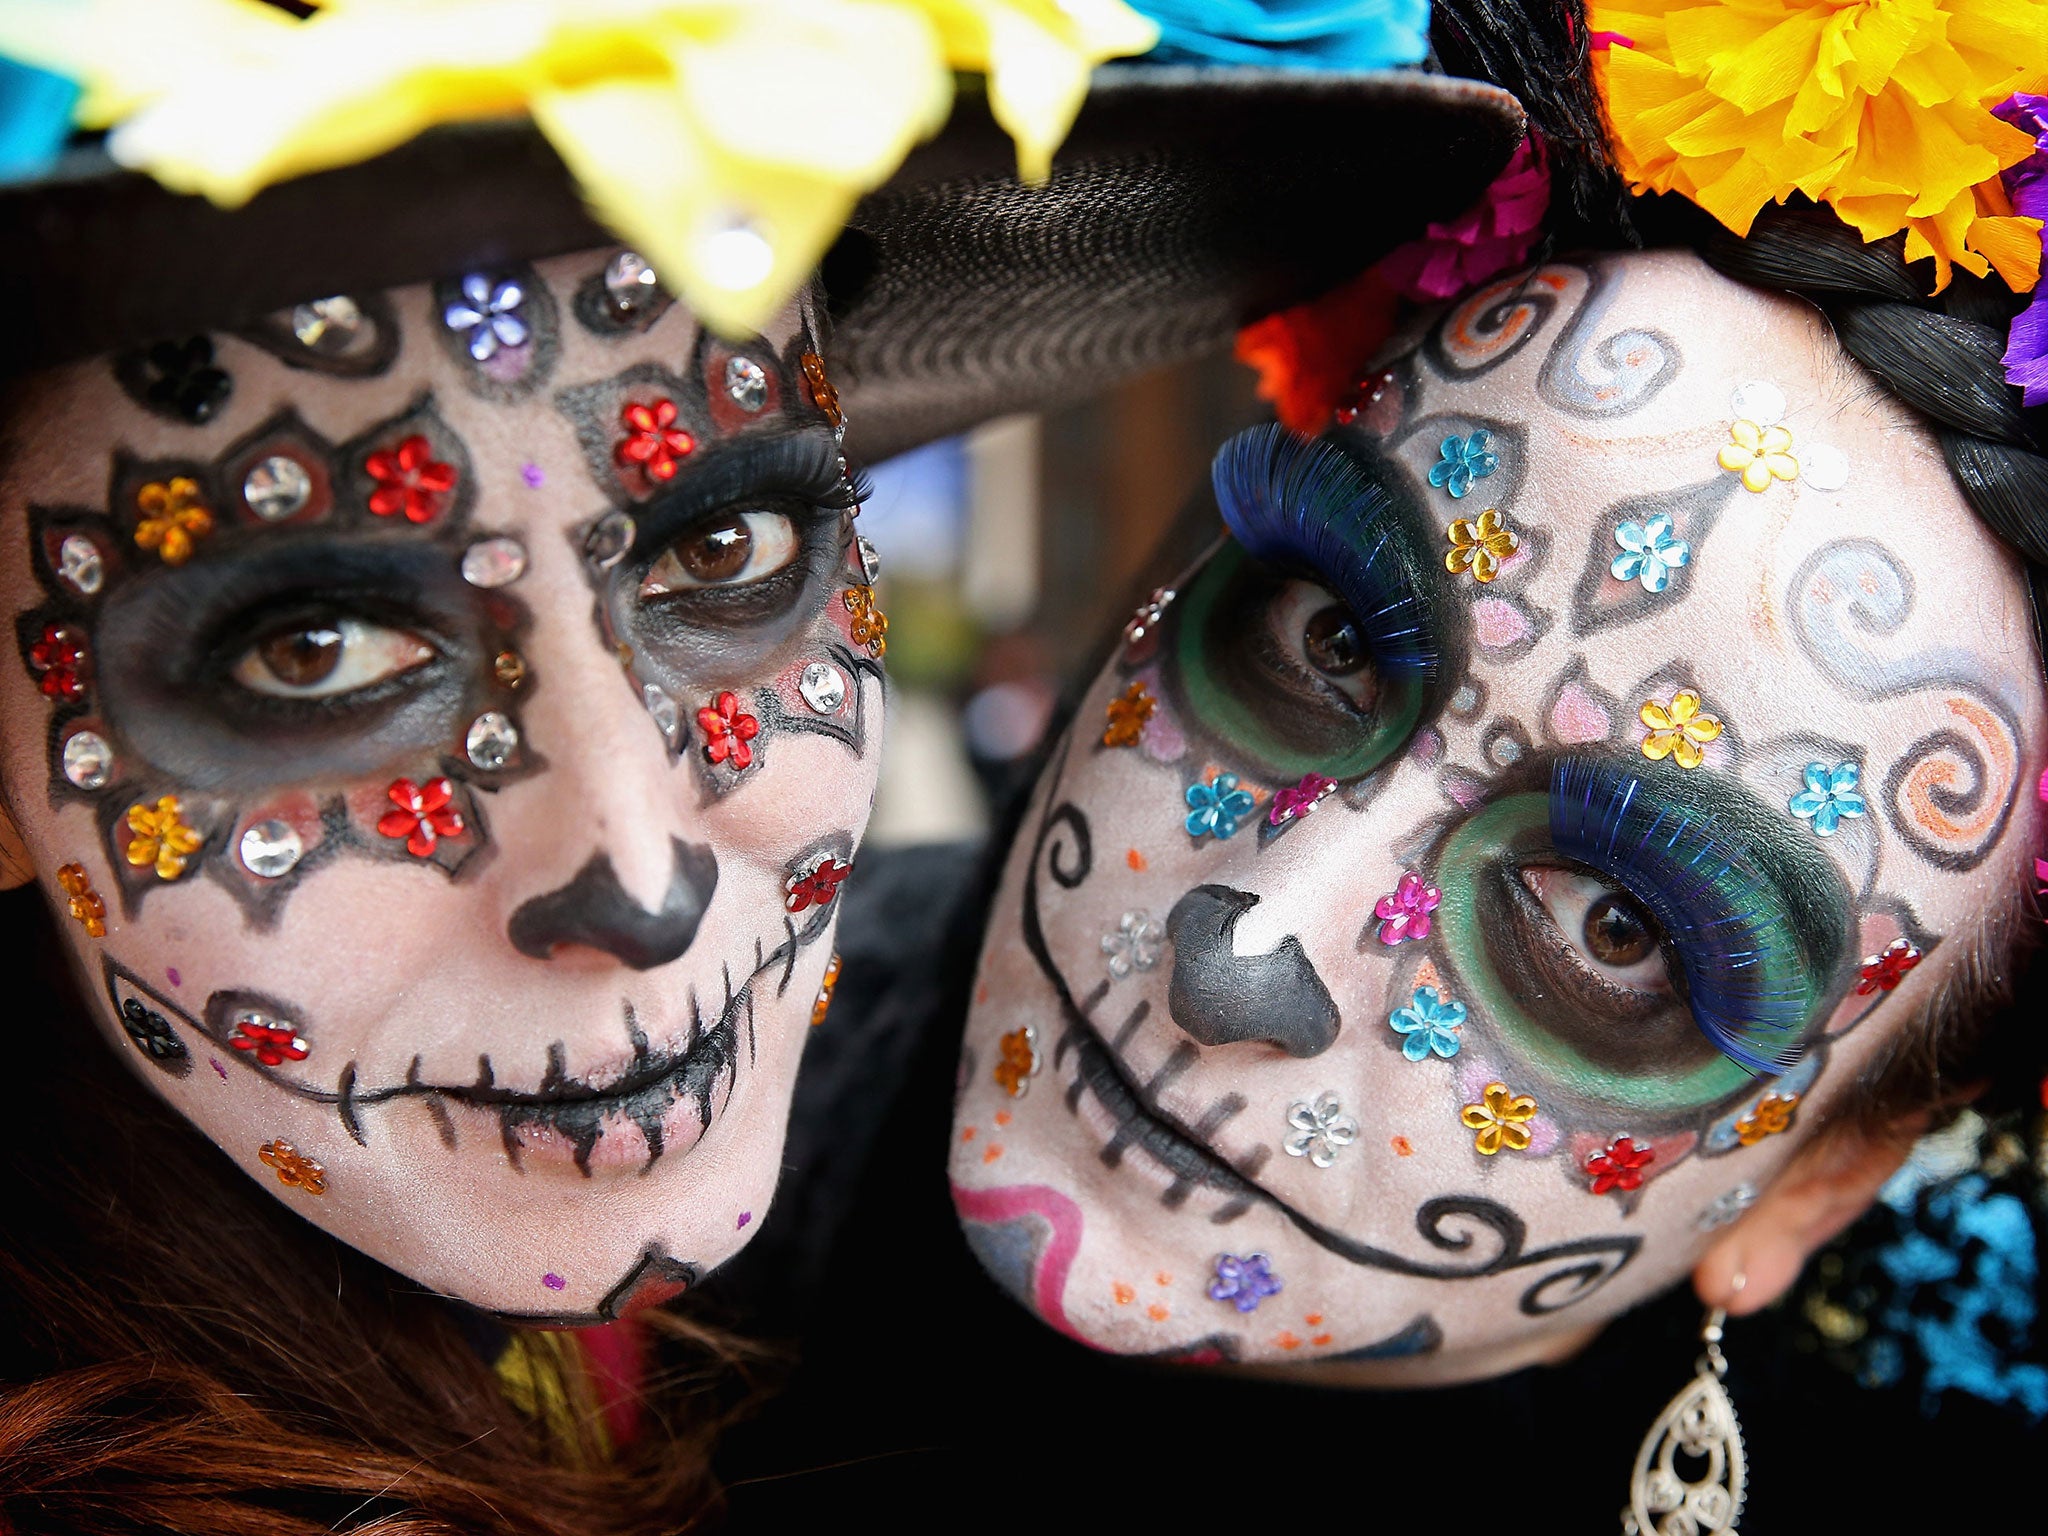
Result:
1300,504
1745,972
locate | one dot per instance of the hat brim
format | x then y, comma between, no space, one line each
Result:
1185,203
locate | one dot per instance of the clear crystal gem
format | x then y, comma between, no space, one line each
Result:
494,562
630,283
1824,467
271,848
870,561
277,487
609,539
492,740
79,562
1759,401
823,687
746,383
735,255
327,326
667,717
88,760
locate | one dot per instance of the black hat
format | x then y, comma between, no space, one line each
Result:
1185,203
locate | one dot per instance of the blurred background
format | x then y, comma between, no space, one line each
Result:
1008,556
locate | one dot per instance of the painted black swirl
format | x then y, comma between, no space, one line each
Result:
1615,377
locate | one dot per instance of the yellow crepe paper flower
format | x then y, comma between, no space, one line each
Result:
1878,108
725,140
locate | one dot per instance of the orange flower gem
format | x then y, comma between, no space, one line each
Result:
162,839
1127,716
1019,1063
1678,730
173,517
870,624
823,395
1773,1113
1501,1118
294,1169
1480,546
86,905
824,1003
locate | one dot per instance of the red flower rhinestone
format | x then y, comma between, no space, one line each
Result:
817,888
421,815
653,440
1620,1166
1887,968
409,480
60,657
727,731
274,1044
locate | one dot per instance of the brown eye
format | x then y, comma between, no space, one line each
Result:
1616,932
1332,643
717,554
737,549
324,660
300,658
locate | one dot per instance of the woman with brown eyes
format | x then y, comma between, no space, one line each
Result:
450,681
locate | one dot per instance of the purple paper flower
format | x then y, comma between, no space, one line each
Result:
1405,914
2026,351
1298,800
1245,1282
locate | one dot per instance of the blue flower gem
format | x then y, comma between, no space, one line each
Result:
1245,1282
1649,553
1830,794
1464,460
1215,808
1431,1024
489,313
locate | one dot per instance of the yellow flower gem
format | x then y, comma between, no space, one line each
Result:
1019,1061
161,838
1480,546
1677,730
1127,716
870,624
1773,1113
823,1005
1759,454
86,905
1501,1118
172,518
294,1169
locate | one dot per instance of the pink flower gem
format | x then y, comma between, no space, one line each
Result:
1405,914
1298,800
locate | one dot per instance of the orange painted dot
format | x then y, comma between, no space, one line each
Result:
995,1150
1288,1341
1320,1339
1313,1318
1158,1312
1124,1294
1002,1117
1135,859
968,1134
981,993
1162,1278
1402,1147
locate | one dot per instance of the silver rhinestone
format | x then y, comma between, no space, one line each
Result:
823,687
88,760
327,326
491,741
746,383
870,561
610,537
630,283
1759,401
494,562
667,718
271,848
1824,467
79,562
734,255
277,487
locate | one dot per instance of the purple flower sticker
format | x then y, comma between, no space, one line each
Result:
1245,1282
1405,914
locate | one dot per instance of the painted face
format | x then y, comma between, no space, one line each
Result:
1490,864
447,717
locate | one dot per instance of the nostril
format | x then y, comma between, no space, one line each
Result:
595,911
1220,997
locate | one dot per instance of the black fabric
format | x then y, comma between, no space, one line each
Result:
1185,203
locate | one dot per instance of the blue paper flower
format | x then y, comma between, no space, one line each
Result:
1215,808
1649,552
1830,794
1430,1023
489,313
1290,34
1245,1282
1464,460
35,118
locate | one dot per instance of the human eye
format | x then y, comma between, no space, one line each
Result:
734,549
1307,641
328,657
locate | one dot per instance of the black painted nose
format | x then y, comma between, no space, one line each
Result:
594,910
1220,997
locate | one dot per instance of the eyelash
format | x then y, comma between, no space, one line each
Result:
1741,967
1301,504
800,468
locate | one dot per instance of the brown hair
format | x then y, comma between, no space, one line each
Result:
183,1354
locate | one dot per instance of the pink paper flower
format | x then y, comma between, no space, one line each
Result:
1487,239
1405,914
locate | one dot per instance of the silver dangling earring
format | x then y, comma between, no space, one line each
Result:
1698,1424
